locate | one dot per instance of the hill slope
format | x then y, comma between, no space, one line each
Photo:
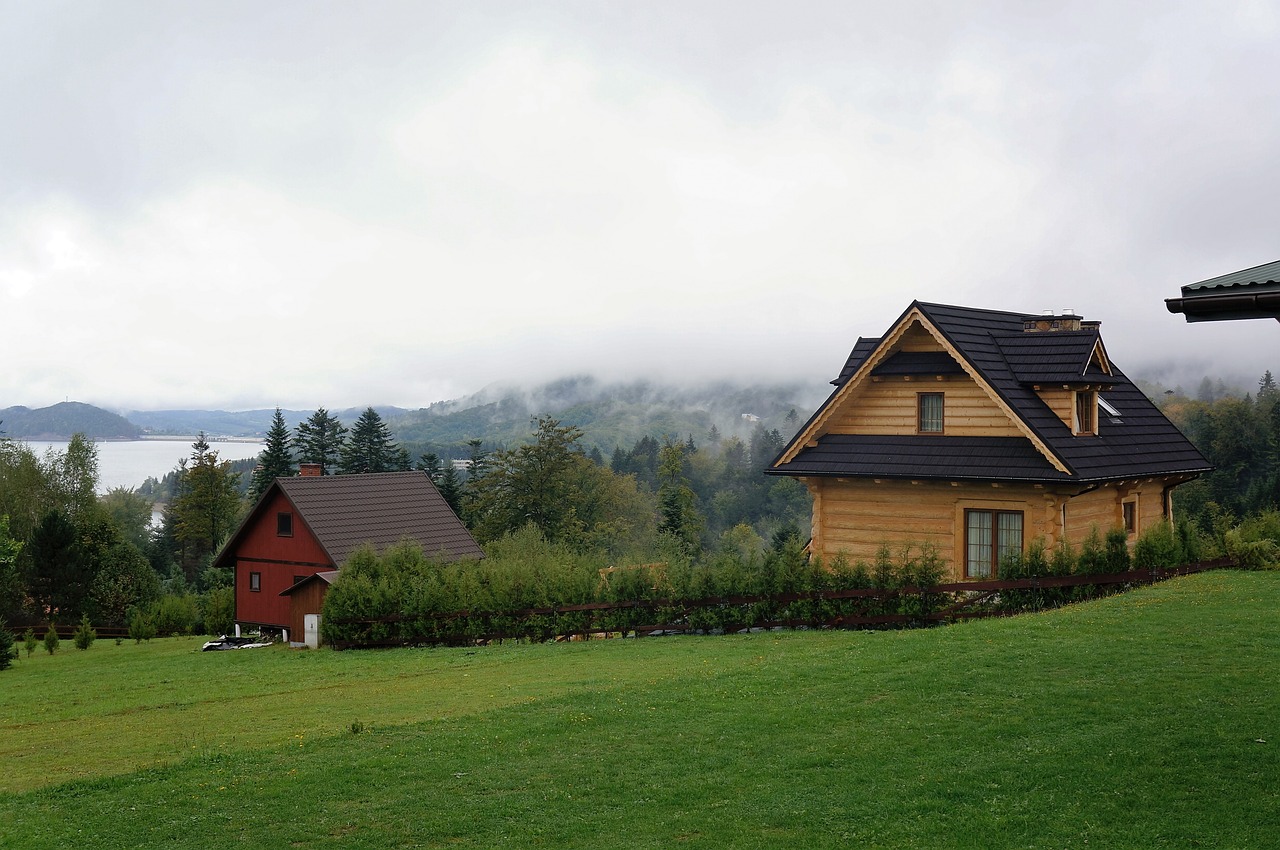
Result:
1142,720
60,421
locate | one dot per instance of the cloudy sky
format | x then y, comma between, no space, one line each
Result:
247,204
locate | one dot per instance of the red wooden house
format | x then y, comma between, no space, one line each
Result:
310,524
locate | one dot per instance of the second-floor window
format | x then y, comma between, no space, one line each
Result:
929,413
284,524
1086,412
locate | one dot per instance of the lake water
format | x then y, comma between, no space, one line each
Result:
128,463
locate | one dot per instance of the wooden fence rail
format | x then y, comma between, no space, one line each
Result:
853,608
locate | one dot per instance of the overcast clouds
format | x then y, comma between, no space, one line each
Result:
253,204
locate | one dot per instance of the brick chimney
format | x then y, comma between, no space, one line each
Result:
308,470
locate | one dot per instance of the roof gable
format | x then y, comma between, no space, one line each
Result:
884,356
1062,357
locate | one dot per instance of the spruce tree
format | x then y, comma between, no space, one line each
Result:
370,447
450,486
319,439
7,652
85,634
275,461
430,464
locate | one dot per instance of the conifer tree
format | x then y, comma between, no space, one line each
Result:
370,447
430,464
7,652
318,439
450,486
275,461
85,634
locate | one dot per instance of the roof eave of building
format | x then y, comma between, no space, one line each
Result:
1227,306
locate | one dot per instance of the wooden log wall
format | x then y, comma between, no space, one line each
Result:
888,406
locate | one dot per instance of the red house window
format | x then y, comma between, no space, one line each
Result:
284,524
255,582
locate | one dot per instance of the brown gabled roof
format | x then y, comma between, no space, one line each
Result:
345,512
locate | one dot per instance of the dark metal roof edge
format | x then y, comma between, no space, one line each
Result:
1252,276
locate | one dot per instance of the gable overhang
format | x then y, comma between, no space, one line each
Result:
1099,354
815,427
252,517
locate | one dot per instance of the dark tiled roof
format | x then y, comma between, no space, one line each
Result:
861,350
345,512
1053,357
929,457
918,363
1139,442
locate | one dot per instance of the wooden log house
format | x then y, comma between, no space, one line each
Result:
978,431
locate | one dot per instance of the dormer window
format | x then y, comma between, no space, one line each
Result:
1086,412
929,413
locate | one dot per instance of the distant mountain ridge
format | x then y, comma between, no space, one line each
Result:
59,421
609,414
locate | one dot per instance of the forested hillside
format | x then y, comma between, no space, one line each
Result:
60,421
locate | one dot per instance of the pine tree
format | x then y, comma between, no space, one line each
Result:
319,439
370,447
275,461
450,486
85,635
430,464
7,652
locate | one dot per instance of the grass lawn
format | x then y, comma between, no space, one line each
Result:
1150,719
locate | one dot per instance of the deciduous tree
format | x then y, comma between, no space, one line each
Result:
207,506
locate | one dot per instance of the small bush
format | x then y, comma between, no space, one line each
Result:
218,608
30,641
141,627
51,640
85,635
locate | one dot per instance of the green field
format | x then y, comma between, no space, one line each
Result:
1150,719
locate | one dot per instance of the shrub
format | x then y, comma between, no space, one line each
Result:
84,635
175,614
141,626
218,609
30,641
1157,547
7,652
51,640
